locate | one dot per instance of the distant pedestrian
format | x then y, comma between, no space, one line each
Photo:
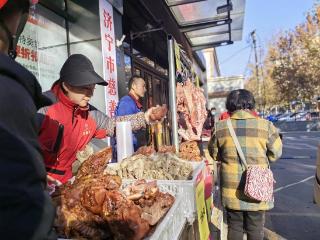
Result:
213,115
207,124
261,143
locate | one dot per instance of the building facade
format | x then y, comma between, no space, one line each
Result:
57,29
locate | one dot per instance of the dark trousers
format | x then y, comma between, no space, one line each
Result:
251,222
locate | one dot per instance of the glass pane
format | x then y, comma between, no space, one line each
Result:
162,70
198,12
169,2
42,47
137,72
85,24
56,4
209,39
208,31
156,90
207,11
172,1
146,60
237,20
236,35
218,33
215,33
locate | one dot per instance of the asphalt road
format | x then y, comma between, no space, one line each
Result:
295,216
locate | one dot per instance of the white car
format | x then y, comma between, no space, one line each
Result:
285,116
299,116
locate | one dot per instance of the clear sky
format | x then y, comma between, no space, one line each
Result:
268,17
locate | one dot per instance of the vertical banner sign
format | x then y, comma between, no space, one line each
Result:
109,56
201,208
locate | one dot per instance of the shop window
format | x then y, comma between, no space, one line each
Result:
162,70
127,68
58,5
126,46
42,47
156,91
137,72
147,61
85,21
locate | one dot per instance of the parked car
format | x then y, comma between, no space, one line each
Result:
284,116
299,116
273,117
304,116
314,115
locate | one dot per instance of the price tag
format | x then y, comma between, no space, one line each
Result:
201,208
177,55
197,81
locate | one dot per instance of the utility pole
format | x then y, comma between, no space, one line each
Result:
254,40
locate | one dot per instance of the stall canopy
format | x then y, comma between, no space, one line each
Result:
209,23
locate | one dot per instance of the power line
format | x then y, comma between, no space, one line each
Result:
234,54
262,72
248,62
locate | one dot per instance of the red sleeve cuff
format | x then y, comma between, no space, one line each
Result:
101,133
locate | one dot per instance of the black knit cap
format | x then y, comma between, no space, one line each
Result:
78,71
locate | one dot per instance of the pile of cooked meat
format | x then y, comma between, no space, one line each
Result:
165,166
188,150
149,150
95,207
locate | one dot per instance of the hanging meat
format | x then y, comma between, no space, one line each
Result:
191,107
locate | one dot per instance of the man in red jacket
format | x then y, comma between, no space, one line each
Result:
79,120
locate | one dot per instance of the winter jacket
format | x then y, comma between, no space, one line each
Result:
26,211
80,125
126,106
260,143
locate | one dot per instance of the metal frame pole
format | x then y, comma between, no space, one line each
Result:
253,35
172,92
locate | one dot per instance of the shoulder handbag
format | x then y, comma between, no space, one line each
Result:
259,180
